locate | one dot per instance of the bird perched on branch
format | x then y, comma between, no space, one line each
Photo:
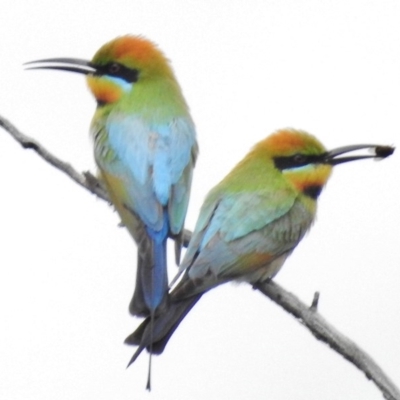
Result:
250,223
145,148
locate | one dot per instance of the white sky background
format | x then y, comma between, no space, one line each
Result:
246,68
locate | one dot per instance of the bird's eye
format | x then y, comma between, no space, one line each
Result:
118,70
114,68
299,159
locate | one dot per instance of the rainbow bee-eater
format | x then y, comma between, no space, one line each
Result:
145,149
250,223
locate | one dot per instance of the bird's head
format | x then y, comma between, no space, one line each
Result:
305,162
116,67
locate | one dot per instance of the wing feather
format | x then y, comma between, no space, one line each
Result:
154,161
228,245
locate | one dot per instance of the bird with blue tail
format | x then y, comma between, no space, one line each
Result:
145,149
250,223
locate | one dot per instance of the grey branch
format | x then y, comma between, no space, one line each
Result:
86,179
322,330
306,315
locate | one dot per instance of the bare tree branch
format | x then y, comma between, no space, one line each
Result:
86,179
322,330
306,315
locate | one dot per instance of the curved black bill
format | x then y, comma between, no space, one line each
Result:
376,151
63,64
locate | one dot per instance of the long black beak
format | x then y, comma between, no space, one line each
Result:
63,64
376,151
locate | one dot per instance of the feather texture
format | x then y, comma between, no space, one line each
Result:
248,225
145,147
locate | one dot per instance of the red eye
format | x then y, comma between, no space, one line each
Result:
114,68
299,159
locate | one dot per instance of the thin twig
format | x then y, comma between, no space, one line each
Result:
308,316
322,330
314,304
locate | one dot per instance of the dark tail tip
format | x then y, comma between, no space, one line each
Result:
135,356
135,338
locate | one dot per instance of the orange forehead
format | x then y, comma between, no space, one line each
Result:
288,141
130,47
142,48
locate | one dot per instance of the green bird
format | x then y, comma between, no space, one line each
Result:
250,223
145,148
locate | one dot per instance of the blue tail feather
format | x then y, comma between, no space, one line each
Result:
151,290
158,281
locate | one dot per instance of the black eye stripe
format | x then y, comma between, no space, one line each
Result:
299,158
296,160
129,75
114,68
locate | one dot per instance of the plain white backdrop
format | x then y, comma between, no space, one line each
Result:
246,68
